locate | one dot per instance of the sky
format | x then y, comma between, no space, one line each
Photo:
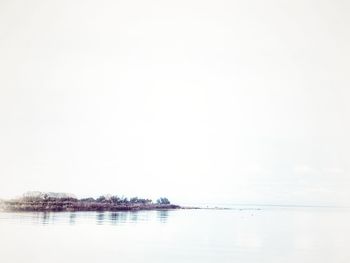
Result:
200,101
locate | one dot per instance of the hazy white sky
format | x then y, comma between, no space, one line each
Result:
212,101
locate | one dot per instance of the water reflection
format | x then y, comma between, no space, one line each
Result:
163,215
73,218
100,217
123,217
114,217
45,218
134,217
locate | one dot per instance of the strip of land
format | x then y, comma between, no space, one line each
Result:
47,202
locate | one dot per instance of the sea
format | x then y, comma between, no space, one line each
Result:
240,234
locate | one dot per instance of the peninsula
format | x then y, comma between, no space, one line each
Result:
47,202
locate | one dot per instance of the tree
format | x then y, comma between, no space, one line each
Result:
163,201
116,199
134,200
89,199
101,199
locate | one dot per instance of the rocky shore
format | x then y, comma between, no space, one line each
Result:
46,202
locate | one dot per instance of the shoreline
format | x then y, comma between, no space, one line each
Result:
35,201
79,206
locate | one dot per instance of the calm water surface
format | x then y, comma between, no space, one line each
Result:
245,234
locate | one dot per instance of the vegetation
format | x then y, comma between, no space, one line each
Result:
163,201
37,201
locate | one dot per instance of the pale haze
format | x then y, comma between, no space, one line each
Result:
199,101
